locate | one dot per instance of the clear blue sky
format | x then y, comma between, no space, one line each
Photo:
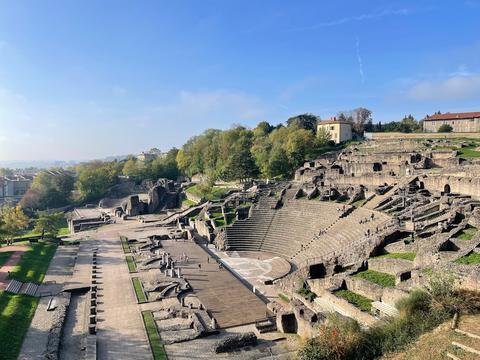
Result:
86,79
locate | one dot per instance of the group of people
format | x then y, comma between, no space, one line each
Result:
367,219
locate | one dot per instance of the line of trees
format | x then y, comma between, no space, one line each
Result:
238,153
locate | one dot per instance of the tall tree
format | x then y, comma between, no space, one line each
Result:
304,121
14,221
48,224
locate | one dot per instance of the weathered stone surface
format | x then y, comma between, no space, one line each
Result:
236,341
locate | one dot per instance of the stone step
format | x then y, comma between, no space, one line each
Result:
466,333
466,348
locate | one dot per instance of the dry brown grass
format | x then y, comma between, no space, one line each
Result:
435,344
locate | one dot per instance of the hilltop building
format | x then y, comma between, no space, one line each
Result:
460,122
339,130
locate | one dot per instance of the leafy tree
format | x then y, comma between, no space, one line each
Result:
303,121
323,136
166,166
262,129
135,169
13,221
6,172
48,224
358,117
49,189
445,128
300,145
94,178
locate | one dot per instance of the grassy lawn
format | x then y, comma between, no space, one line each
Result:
363,303
156,345
188,202
125,246
214,193
132,267
137,285
358,203
379,278
470,259
34,263
468,152
16,313
404,256
466,234
4,256
284,297
62,230
219,222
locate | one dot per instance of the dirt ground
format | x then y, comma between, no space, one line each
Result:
11,262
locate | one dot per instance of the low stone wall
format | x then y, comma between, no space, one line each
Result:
53,344
364,288
389,266
390,296
456,184
345,308
426,136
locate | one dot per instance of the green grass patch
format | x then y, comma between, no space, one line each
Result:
34,263
158,350
132,267
468,152
471,259
4,256
212,193
216,214
363,303
284,297
466,234
188,202
16,313
427,271
219,222
125,246
137,285
379,278
404,256
358,203
307,294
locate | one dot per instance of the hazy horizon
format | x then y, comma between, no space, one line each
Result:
87,80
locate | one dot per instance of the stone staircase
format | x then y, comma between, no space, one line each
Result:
377,200
468,348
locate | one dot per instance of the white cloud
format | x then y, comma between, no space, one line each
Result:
359,59
357,18
455,87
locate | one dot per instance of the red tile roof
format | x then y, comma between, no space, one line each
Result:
454,116
333,120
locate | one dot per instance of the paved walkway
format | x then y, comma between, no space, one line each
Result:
229,301
11,262
120,330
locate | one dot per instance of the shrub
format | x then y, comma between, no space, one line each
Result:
338,339
445,128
